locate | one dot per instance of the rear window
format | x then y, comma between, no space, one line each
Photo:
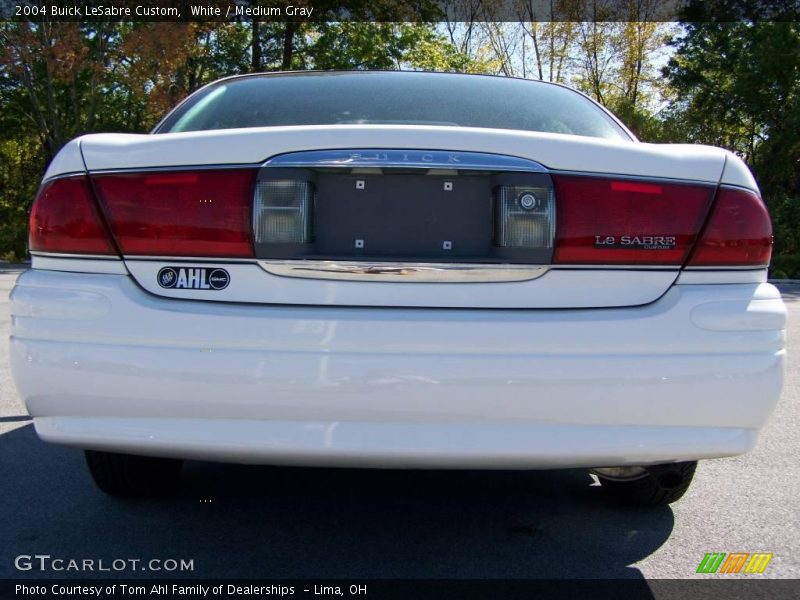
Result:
406,98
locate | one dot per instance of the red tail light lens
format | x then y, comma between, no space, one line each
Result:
739,232
203,213
613,222
65,219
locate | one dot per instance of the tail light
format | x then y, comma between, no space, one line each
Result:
283,207
738,233
228,212
607,221
65,219
203,213
524,216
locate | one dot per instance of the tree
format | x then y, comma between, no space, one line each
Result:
51,76
737,85
367,45
747,75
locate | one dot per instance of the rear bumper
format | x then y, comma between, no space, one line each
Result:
102,364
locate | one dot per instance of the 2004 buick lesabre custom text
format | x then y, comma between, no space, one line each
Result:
397,270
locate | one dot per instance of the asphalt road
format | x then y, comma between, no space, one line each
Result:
318,523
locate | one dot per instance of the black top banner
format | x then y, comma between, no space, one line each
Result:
401,10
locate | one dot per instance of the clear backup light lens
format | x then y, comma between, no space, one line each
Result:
282,212
525,217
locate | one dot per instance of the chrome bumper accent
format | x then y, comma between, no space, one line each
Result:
410,272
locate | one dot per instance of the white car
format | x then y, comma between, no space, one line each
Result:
397,269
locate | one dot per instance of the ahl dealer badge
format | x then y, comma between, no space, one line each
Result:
193,278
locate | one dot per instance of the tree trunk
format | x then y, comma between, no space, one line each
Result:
54,140
288,45
535,37
255,66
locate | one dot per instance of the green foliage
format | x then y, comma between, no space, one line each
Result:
737,85
642,122
785,266
364,45
20,158
785,213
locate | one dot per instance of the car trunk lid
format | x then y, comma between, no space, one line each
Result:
417,224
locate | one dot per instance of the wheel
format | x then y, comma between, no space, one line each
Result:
130,476
655,485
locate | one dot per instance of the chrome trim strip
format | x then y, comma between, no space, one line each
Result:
505,268
655,178
65,175
409,272
733,186
133,257
66,255
557,266
533,167
188,259
174,168
405,158
729,268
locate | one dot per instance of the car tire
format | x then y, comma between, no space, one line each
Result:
658,486
129,476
